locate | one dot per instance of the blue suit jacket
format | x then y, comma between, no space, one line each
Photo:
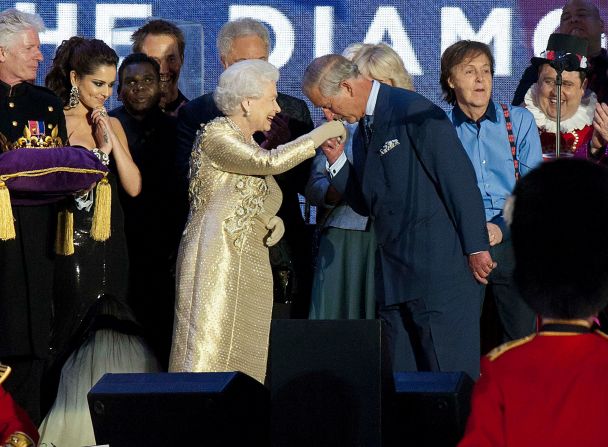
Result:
422,195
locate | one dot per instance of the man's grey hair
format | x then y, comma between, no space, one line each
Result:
326,73
245,79
13,22
239,28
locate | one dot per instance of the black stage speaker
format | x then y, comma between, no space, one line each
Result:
431,408
326,381
198,409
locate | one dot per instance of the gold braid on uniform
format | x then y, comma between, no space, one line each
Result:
16,439
19,439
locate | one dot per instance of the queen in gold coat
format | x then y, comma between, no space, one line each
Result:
224,281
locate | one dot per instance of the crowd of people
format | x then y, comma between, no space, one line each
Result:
207,232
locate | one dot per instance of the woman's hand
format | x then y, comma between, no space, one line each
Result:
110,137
279,132
327,131
102,129
277,230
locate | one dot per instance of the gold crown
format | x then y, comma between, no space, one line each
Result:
38,142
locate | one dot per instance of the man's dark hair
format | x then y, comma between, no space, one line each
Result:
560,238
456,54
137,58
582,74
158,27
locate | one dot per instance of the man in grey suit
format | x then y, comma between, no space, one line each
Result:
411,175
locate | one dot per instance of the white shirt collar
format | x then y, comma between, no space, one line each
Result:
371,100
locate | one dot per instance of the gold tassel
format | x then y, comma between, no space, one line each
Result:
64,240
7,224
100,230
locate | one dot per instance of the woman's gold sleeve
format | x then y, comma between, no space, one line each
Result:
229,153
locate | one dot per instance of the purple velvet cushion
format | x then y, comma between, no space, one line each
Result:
52,186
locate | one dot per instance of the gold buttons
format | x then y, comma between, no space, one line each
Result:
51,108
11,104
14,123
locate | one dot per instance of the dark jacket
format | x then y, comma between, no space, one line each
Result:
420,189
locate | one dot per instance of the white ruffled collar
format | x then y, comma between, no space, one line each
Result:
581,118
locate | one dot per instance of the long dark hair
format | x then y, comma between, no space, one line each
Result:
83,56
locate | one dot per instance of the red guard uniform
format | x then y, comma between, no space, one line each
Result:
548,389
14,420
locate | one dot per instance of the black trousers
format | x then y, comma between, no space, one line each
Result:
516,317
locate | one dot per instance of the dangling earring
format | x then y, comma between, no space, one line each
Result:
74,97
247,113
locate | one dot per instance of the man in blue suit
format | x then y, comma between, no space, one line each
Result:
411,174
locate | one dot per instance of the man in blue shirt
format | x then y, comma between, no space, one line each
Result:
503,144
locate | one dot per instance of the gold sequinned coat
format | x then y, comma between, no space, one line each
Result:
224,282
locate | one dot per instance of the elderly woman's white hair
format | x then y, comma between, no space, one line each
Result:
245,79
13,22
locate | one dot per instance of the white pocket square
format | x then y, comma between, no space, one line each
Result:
389,146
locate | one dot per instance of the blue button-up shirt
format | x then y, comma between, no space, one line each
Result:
486,142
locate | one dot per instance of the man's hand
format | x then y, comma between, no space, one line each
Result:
600,120
494,234
279,132
600,129
332,149
481,265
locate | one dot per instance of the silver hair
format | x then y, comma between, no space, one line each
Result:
326,73
238,28
245,79
13,22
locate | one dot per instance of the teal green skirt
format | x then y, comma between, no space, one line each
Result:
343,283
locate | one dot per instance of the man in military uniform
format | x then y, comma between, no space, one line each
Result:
26,272
16,429
549,389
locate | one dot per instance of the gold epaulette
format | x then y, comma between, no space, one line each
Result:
5,370
500,350
19,439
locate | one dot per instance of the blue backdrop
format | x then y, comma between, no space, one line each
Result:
418,29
